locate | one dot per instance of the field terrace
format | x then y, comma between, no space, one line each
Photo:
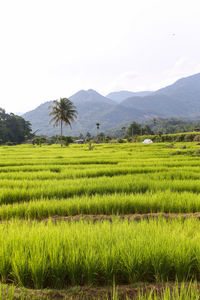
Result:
118,215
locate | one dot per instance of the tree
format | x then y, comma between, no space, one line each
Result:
13,128
87,137
66,140
123,131
63,112
147,130
98,125
134,129
39,140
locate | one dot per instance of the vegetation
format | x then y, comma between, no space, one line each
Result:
63,112
13,129
162,126
173,125
58,254
106,241
168,291
137,129
177,137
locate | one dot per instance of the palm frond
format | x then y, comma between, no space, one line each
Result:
63,110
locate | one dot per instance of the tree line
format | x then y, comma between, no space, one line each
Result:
13,129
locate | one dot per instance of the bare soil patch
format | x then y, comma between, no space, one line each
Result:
136,217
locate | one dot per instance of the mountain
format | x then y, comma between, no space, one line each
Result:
90,96
184,88
180,100
122,95
90,105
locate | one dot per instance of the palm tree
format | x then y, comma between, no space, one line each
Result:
63,112
97,124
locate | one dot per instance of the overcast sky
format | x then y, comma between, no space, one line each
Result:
53,48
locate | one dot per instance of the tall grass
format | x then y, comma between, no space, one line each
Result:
7,292
117,203
54,255
36,183
12,191
28,174
183,291
177,292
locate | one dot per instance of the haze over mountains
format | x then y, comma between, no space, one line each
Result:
122,95
181,100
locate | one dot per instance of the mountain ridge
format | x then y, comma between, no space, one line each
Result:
180,99
122,95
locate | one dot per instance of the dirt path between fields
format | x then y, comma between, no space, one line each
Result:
136,217
102,293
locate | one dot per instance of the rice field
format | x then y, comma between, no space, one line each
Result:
41,184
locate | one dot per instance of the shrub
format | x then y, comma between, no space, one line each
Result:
120,140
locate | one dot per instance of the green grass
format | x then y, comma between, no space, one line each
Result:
55,255
118,203
112,179
176,292
12,191
29,173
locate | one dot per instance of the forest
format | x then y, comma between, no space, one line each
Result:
13,129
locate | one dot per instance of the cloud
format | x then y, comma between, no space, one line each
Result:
135,81
183,67
125,81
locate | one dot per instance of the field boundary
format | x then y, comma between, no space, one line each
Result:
136,217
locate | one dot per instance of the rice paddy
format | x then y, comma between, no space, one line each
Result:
114,180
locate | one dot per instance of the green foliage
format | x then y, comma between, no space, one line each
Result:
183,291
137,129
90,146
66,140
163,138
134,129
119,140
7,292
111,168
13,129
63,112
164,126
115,179
172,125
78,253
39,141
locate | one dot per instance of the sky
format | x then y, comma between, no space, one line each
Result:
54,48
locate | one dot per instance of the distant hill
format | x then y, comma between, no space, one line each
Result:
184,88
90,105
90,96
179,100
122,95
